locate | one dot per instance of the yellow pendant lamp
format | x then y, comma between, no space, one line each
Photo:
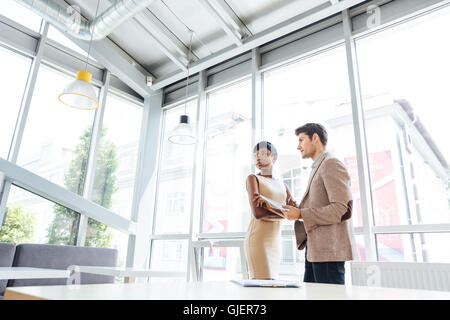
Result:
80,93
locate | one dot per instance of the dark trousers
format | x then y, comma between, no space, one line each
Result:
324,272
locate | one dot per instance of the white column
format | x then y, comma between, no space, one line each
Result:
138,254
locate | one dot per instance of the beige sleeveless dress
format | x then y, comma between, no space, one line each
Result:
263,239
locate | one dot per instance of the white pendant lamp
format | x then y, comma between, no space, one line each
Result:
80,93
183,133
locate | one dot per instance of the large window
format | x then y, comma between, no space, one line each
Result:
311,90
413,247
173,208
14,11
404,77
117,155
56,139
169,255
32,219
17,68
228,159
56,35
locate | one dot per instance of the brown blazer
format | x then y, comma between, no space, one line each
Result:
326,210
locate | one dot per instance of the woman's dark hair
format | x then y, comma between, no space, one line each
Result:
266,145
310,128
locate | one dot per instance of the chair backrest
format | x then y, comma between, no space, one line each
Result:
61,257
6,260
409,275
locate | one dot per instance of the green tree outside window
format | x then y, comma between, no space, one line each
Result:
19,225
63,230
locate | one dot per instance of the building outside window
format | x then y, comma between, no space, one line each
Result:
404,71
17,68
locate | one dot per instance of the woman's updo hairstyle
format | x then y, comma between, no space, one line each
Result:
266,145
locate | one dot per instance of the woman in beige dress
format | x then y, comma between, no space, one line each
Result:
263,239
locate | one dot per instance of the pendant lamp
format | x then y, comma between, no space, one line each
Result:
183,133
80,93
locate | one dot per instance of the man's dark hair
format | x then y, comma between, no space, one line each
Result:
310,128
266,145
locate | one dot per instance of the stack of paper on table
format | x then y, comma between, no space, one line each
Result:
267,283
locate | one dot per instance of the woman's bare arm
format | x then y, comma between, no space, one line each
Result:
289,200
257,205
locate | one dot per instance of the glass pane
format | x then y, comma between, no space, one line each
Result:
13,86
56,139
173,208
414,247
117,156
20,14
360,247
59,37
169,255
292,260
311,90
32,219
228,159
221,263
101,236
404,79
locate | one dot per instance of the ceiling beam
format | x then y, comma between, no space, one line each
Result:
227,19
296,23
166,41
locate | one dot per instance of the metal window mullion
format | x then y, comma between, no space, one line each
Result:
360,138
257,101
92,157
418,228
197,175
158,176
22,117
205,99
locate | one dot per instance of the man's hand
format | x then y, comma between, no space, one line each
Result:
292,213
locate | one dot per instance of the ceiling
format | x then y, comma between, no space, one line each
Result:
161,37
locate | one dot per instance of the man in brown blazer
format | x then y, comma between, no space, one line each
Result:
325,209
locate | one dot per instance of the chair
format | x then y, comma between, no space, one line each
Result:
7,251
61,257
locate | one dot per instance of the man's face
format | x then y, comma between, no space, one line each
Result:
306,146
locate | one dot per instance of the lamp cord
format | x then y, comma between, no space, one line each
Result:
188,64
92,35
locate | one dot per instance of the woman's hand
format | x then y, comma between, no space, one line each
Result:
291,202
260,203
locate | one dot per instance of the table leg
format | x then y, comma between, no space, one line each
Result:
243,262
202,262
194,264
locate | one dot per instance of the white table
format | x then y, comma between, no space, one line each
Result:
7,273
130,274
217,290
